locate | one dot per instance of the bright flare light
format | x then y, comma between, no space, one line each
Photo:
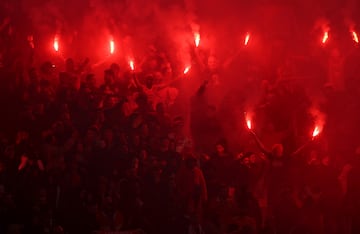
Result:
325,37
355,36
248,121
247,38
316,132
131,64
112,47
186,70
197,39
56,44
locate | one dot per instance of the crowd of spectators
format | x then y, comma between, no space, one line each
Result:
125,155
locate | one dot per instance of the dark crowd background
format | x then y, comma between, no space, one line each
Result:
94,147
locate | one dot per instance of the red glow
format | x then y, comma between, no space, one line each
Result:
325,37
316,131
131,64
247,38
112,46
31,41
355,36
197,39
186,70
56,44
248,121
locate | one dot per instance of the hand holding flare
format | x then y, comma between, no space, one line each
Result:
355,36
325,37
249,125
187,69
131,64
248,121
247,38
316,132
197,39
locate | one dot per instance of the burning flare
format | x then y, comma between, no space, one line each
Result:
131,64
56,44
355,36
247,38
316,131
325,37
197,39
112,46
186,70
248,121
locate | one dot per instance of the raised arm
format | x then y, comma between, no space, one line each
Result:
23,162
259,143
299,150
165,85
202,88
137,83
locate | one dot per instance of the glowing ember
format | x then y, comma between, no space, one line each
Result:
325,37
56,44
131,64
316,131
355,36
197,39
187,69
247,38
112,47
